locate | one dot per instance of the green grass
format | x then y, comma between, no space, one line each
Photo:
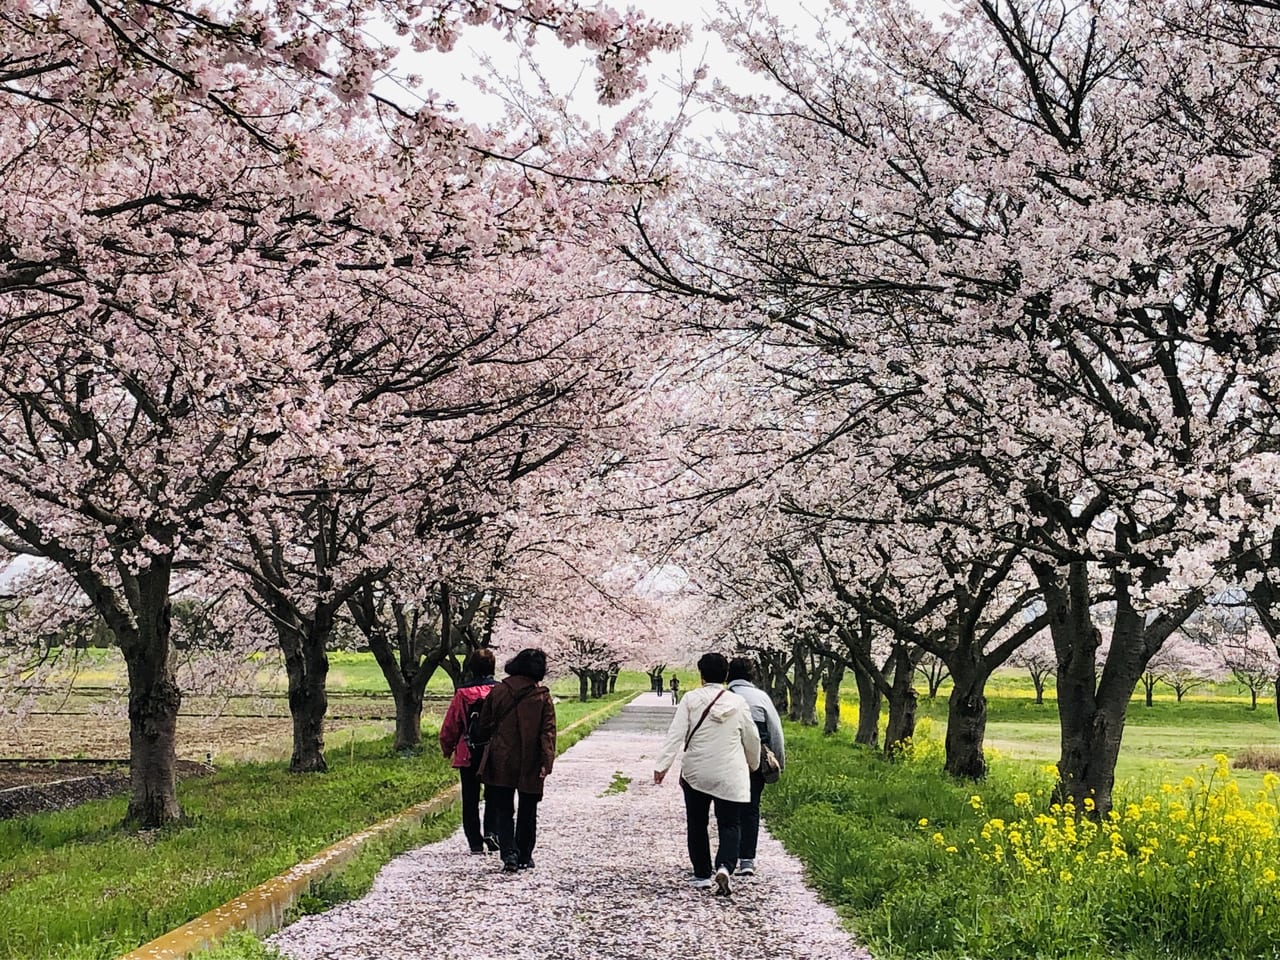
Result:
73,884
618,784
241,946
1165,741
350,673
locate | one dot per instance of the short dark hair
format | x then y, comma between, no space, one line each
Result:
529,662
713,668
481,662
742,668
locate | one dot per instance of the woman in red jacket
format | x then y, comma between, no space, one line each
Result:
519,722
453,742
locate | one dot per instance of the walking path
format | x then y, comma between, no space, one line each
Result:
611,882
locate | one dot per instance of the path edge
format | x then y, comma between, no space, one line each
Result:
262,910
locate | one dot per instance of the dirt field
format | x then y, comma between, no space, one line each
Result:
226,738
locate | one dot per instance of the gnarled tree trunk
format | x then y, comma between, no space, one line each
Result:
154,700
869,701
804,689
902,701
307,665
967,722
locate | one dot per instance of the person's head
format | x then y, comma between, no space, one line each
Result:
529,662
481,662
713,668
741,668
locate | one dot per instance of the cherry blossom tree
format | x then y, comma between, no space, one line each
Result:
198,189
1185,665
1252,659
1044,226
1037,657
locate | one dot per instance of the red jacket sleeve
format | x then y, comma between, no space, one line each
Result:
451,729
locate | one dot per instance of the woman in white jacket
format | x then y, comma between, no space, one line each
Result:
721,747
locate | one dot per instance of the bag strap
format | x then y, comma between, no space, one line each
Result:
688,738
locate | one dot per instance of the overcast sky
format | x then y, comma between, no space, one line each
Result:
450,75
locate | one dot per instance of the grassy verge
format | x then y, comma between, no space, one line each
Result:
925,867
74,886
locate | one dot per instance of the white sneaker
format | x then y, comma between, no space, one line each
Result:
701,883
746,868
724,886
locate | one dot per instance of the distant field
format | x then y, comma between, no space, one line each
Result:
1165,741
82,713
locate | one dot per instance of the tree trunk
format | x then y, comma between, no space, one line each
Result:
773,677
582,686
1092,719
406,677
831,692
307,665
869,681
408,719
804,694
1253,698
869,701
154,699
967,723
902,702
1038,681
1150,684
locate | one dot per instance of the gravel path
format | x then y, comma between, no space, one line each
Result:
610,883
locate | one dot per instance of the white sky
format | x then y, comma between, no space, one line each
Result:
449,75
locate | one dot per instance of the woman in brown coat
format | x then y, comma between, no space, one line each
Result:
519,722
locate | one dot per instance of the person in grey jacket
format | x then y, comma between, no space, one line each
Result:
765,715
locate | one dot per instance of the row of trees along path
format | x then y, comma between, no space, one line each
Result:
611,881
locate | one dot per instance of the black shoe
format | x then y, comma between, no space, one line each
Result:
491,842
477,850
510,866
526,864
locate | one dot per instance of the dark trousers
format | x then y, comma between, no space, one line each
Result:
517,834
751,818
471,809
697,812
